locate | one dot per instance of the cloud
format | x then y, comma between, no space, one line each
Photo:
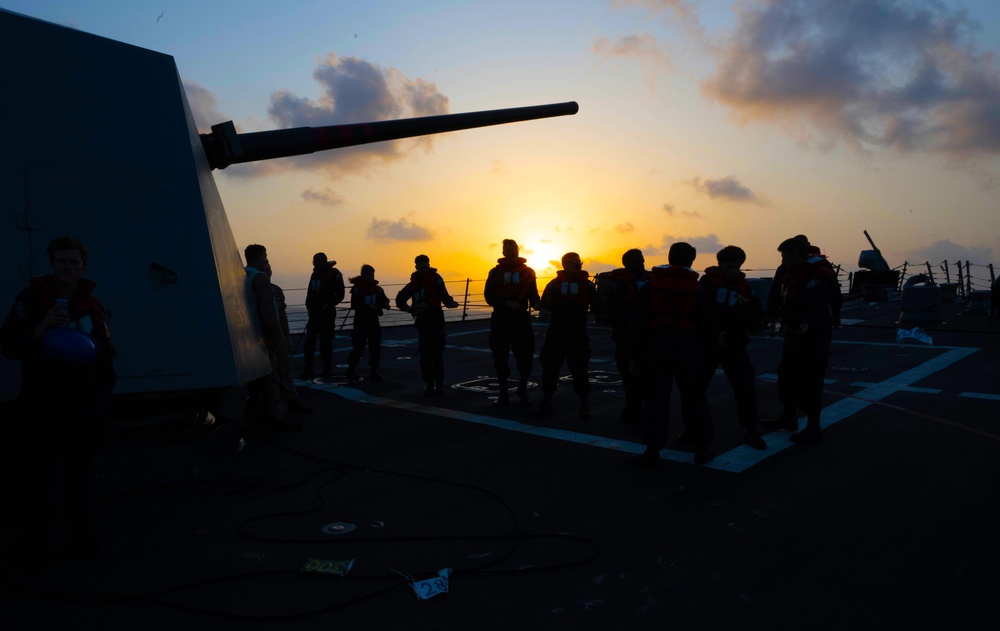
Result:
652,250
870,73
680,7
947,251
705,245
352,91
204,107
671,210
625,227
402,230
642,46
326,197
596,266
729,188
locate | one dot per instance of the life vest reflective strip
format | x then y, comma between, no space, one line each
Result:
794,285
367,291
727,295
511,283
673,297
629,282
574,289
426,290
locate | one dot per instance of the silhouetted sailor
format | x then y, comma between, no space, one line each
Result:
326,290
736,314
624,284
369,302
512,291
286,386
263,408
809,308
427,293
58,330
569,297
665,336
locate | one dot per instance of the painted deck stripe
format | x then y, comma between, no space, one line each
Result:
734,461
860,343
743,457
504,424
869,384
980,395
771,377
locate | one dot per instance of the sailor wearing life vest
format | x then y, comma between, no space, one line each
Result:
427,293
58,330
511,289
569,297
369,302
814,256
326,290
809,308
624,284
736,314
668,324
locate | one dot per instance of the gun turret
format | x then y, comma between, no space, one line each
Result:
224,146
872,259
163,247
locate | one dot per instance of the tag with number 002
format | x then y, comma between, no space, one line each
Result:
319,566
433,586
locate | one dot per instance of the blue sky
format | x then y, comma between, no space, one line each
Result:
715,122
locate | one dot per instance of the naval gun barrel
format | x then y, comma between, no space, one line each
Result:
224,146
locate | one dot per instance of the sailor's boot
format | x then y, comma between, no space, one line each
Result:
811,434
503,400
522,392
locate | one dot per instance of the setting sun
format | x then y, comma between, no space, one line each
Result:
543,256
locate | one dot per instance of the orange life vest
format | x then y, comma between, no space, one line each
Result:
673,297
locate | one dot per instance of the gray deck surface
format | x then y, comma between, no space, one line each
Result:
891,523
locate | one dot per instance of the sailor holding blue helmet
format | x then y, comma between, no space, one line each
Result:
58,330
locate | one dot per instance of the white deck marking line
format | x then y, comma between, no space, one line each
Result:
735,460
743,457
869,384
771,377
980,395
512,426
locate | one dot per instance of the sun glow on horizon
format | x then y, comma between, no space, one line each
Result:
543,256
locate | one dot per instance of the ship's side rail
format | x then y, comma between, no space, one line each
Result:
961,277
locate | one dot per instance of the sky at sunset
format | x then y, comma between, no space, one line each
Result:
713,122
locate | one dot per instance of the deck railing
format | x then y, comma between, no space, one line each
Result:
964,276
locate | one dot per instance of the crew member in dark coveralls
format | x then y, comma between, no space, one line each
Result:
369,302
427,292
814,254
625,283
512,291
263,408
58,331
568,298
810,308
326,290
286,386
736,314
665,336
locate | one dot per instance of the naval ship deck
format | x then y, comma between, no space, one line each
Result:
892,521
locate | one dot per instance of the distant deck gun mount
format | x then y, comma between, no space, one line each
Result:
872,259
224,146
81,157
877,281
